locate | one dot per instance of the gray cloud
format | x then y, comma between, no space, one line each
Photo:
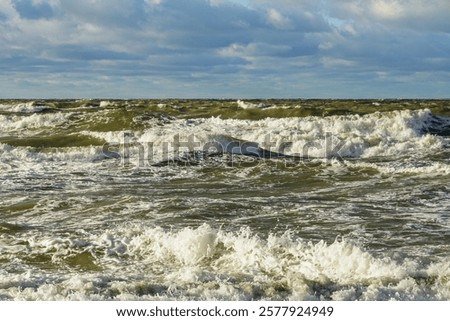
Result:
221,48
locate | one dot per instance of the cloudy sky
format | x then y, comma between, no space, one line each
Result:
224,48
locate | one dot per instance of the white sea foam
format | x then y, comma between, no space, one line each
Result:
374,135
246,105
11,155
23,123
19,165
106,103
428,168
81,224
205,263
29,107
361,137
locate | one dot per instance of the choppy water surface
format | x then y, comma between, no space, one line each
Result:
225,200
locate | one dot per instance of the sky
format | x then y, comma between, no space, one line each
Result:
224,49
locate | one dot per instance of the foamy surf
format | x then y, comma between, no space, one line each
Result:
26,107
374,135
205,263
305,201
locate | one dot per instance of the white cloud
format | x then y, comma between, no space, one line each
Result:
333,62
207,43
387,9
278,20
251,50
420,15
155,2
7,10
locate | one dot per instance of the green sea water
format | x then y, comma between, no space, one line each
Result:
225,200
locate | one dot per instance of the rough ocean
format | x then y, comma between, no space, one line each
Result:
225,200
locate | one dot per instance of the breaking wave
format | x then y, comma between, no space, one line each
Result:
374,135
209,264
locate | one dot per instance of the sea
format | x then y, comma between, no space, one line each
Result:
215,199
